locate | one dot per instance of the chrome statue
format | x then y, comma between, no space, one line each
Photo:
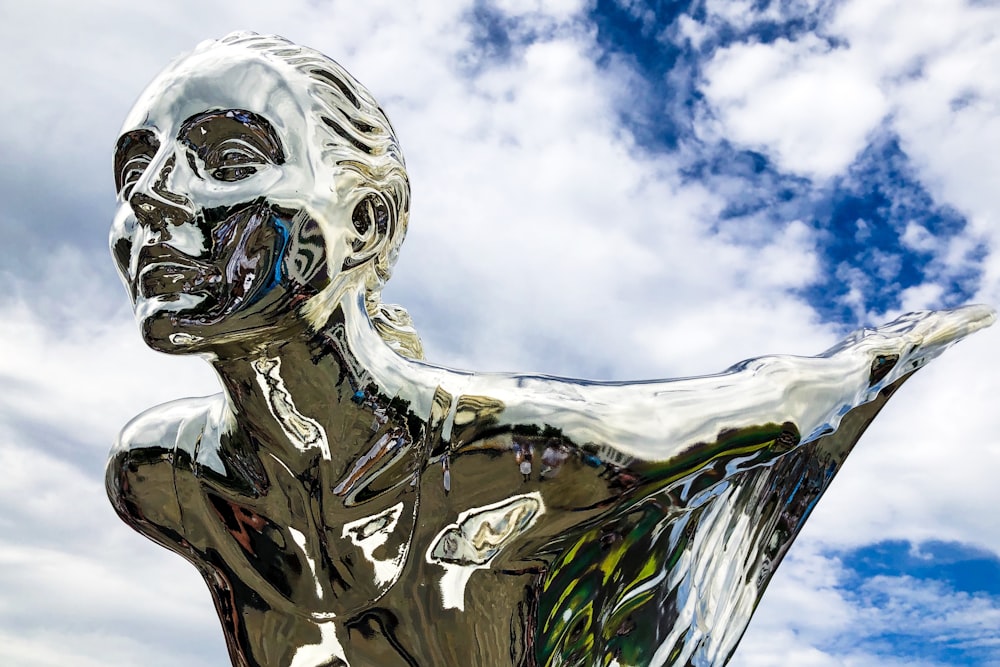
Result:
348,503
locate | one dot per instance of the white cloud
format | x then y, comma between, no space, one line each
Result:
78,380
558,9
920,297
51,647
560,225
916,237
808,105
811,106
77,586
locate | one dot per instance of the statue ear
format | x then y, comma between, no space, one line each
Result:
371,222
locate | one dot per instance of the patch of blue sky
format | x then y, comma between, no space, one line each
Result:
914,646
935,601
636,33
648,36
881,232
767,22
496,36
878,229
757,188
962,567
492,36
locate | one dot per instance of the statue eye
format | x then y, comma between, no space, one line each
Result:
231,144
234,160
133,154
131,173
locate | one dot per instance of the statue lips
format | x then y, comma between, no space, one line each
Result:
164,271
165,278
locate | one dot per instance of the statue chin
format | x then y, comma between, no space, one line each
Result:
160,317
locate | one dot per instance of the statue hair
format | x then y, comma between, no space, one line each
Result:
360,140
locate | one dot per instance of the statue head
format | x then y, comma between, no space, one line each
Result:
259,184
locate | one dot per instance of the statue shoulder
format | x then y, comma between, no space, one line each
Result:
142,465
162,426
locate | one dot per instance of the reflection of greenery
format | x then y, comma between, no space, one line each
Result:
400,405
692,539
534,431
552,432
612,592
599,600
755,445
414,425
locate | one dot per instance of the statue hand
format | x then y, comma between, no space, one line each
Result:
907,343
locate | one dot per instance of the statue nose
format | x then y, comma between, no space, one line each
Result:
159,213
156,204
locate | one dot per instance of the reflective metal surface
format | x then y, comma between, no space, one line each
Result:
350,504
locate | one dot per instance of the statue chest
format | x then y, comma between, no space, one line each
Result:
294,547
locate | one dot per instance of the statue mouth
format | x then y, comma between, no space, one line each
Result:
172,277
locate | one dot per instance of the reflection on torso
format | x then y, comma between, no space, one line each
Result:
443,519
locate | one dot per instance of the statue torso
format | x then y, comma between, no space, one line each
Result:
410,557
487,547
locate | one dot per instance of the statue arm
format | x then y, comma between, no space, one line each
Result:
661,420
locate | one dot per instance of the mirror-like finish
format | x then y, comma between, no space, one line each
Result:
350,504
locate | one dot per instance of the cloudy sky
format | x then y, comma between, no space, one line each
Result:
610,189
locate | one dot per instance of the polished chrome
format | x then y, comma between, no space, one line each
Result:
350,504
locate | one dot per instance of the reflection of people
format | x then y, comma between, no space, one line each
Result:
525,466
446,475
262,202
552,460
381,417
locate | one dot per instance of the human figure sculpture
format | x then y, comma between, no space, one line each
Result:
350,504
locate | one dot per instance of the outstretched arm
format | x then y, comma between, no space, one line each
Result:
818,391
660,420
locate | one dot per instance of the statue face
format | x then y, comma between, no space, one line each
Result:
215,236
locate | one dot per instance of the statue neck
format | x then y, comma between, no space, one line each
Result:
338,394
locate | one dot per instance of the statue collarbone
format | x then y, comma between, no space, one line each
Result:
340,491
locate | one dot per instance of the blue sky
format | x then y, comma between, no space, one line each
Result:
608,189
